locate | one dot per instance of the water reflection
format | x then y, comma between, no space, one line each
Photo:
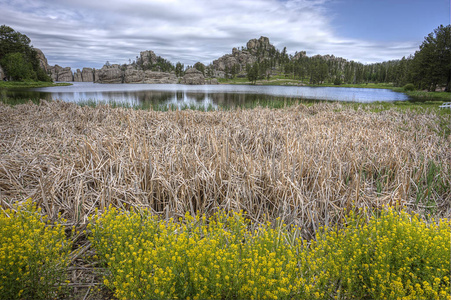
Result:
206,95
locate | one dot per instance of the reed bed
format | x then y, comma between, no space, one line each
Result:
302,164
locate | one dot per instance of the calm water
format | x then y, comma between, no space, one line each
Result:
200,95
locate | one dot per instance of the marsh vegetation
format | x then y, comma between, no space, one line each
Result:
286,173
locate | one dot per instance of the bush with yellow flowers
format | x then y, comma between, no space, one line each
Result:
392,256
33,254
195,258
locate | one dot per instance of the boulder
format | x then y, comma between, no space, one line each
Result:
133,75
109,74
193,76
212,81
65,75
77,76
159,77
87,75
148,57
53,72
58,73
259,47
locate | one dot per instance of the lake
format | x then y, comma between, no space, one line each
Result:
200,95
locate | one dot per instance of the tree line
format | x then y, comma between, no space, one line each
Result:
428,68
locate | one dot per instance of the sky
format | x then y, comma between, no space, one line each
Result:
87,33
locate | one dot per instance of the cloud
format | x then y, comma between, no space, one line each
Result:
87,33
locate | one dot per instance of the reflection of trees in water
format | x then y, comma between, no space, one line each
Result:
179,95
152,97
198,97
232,99
228,99
24,94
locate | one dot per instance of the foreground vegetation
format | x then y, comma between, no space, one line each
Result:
128,172
34,254
284,162
388,255
393,255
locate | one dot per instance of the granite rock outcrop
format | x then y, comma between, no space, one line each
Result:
148,57
87,74
256,49
193,76
132,75
109,74
77,76
58,73
42,59
160,77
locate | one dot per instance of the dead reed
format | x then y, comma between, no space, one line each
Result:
303,164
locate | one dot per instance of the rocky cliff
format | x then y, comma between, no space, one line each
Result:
42,60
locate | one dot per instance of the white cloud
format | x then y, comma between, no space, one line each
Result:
88,33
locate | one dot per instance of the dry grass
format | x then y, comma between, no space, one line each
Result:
301,164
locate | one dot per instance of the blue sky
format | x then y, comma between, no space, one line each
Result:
87,33
388,20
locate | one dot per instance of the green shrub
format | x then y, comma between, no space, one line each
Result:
33,255
409,87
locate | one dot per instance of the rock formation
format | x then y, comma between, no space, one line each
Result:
159,77
237,61
65,75
42,60
147,57
148,67
58,73
193,76
261,48
129,74
87,75
299,55
211,81
77,76
109,74
133,75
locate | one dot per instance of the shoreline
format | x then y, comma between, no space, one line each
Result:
416,95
